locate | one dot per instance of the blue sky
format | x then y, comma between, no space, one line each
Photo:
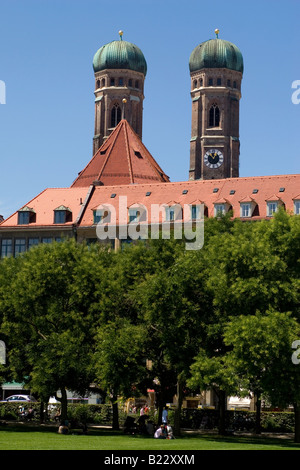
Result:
46,53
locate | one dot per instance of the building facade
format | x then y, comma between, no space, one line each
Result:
124,180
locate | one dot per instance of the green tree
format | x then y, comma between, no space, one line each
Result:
262,357
250,267
173,306
215,373
49,315
120,364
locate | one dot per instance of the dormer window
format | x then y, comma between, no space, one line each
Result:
220,210
272,207
195,212
26,216
221,207
134,215
246,209
101,216
62,215
173,213
137,213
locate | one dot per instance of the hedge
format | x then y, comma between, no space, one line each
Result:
190,418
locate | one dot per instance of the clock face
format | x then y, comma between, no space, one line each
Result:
213,158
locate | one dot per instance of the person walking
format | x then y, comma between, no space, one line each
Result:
165,415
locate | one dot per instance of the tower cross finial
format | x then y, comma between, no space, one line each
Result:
217,32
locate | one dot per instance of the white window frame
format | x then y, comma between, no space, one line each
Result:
220,209
272,208
297,207
245,206
134,214
173,213
197,209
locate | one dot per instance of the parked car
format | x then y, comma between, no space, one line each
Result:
24,398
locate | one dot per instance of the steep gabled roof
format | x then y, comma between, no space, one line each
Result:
122,159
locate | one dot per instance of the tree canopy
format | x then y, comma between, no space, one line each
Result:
222,317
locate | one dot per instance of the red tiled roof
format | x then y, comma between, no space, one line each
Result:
46,202
231,190
122,159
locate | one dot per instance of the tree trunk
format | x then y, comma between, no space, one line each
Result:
64,405
222,412
115,423
42,412
160,406
177,416
297,422
258,414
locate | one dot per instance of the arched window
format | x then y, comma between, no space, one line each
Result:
115,115
214,116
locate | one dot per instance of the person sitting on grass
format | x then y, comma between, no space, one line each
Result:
63,428
161,432
170,433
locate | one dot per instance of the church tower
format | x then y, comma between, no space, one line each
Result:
216,69
120,69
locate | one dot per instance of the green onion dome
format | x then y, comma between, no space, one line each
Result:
216,53
120,55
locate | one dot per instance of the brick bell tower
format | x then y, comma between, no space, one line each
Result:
216,69
120,69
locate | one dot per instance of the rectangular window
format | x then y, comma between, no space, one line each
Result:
98,216
271,208
59,217
32,242
170,214
210,82
20,246
246,210
121,81
195,212
219,209
6,248
101,215
23,218
133,215
47,240
219,81
297,207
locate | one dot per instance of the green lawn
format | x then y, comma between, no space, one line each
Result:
17,437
